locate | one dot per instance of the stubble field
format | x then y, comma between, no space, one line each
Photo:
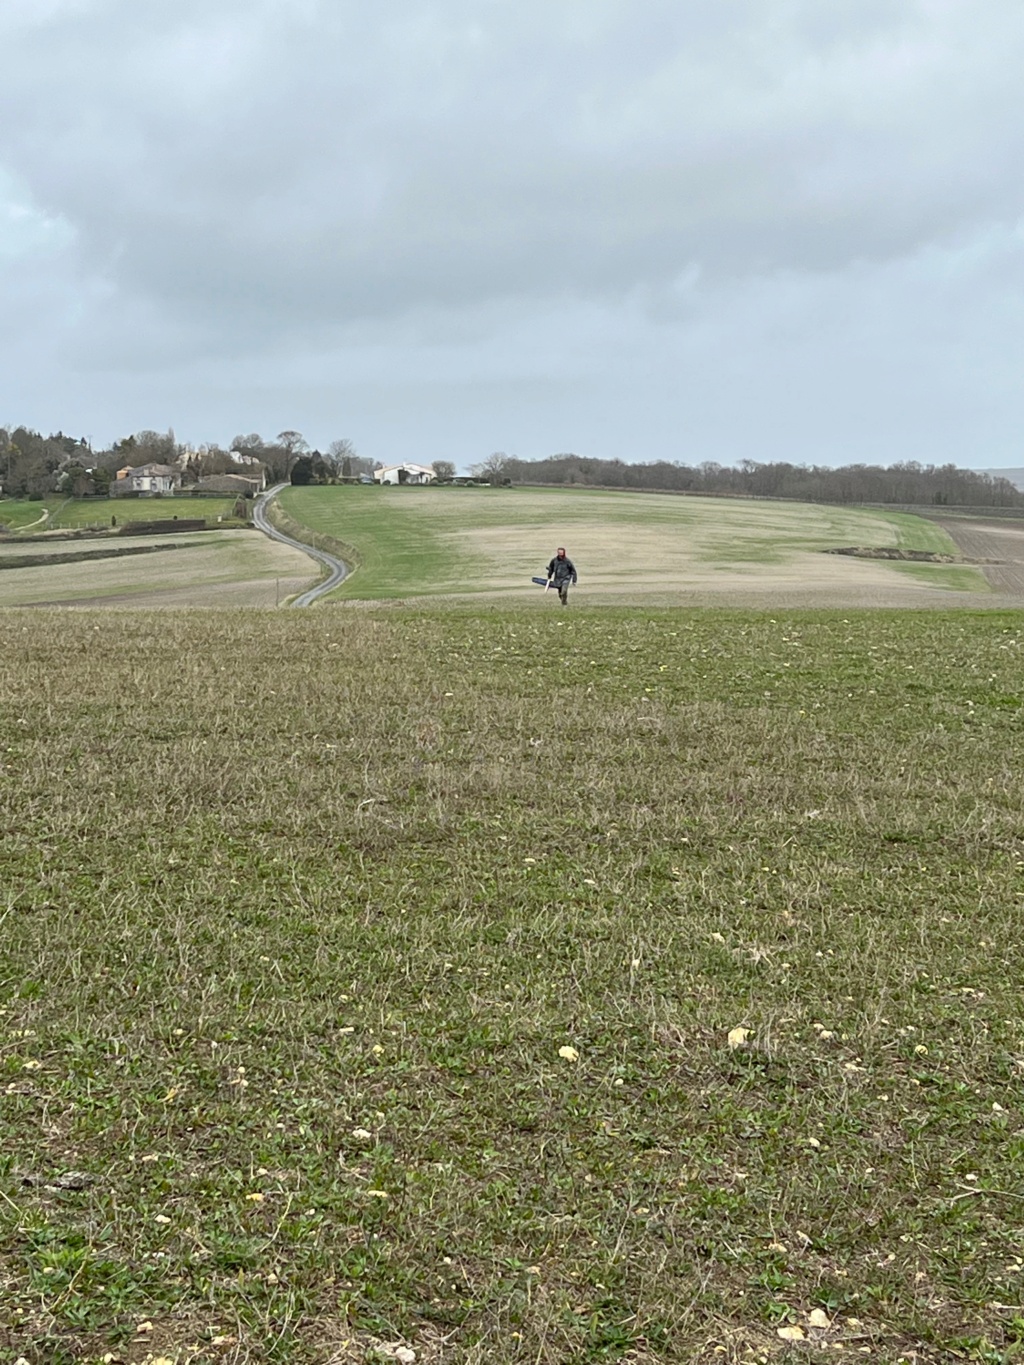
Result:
211,568
509,987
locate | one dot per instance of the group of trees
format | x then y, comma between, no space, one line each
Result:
289,458
908,483
30,463
34,466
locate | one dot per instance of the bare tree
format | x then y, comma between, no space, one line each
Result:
339,457
248,445
156,447
338,449
293,441
493,468
444,469
343,460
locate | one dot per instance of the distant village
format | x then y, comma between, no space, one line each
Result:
166,480
155,464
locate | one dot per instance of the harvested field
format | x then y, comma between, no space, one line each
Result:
217,568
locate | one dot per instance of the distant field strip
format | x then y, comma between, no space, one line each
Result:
64,555
422,542
212,568
62,514
98,512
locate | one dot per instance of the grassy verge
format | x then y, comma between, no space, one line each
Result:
511,988
280,517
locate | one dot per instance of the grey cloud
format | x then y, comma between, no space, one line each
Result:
611,196
465,151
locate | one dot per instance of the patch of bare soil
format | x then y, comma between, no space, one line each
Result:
997,547
891,552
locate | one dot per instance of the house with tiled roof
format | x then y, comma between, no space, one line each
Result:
146,478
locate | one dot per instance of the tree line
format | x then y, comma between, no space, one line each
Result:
36,466
908,482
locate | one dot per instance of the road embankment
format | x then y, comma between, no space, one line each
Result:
272,519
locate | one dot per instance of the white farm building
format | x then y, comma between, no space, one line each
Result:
404,473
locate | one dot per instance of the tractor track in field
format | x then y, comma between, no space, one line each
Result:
337,569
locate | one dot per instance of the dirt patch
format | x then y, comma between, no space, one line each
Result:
891,552
996,546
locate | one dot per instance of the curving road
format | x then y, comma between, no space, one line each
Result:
337,569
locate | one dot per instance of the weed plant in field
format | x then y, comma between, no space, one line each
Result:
502,987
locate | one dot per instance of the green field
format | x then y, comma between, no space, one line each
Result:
511,987
64,514
16,515
422,542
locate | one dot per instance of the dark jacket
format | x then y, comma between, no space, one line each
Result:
562,570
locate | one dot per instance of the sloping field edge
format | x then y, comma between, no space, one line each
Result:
298,530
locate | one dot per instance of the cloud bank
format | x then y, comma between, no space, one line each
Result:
717,230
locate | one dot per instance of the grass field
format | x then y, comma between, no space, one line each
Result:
509,987
951,577
66,514
16,515
418,542
70,515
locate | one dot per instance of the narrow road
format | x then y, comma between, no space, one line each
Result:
337,569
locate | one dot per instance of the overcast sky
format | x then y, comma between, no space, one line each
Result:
679,229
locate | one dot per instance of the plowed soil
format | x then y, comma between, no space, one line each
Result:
1000,542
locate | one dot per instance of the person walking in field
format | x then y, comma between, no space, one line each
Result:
562,572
